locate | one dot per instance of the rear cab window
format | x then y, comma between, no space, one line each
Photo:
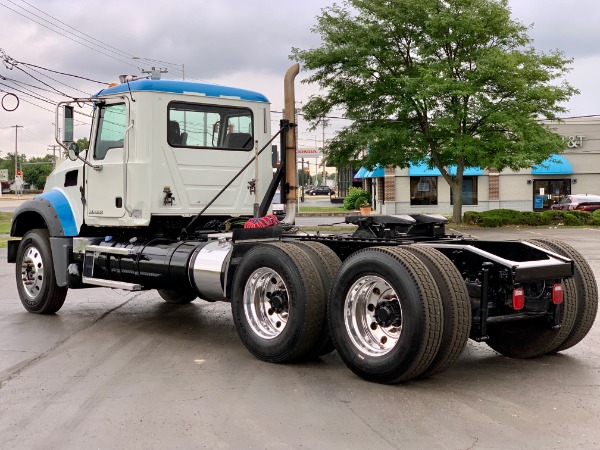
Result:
210,126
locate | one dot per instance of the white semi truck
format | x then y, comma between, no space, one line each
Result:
174,195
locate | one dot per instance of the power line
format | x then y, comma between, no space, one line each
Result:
72,29
67,37
60,82
63,73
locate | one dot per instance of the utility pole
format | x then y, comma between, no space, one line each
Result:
16,127
323,153
53,155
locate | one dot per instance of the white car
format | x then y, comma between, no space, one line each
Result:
277,207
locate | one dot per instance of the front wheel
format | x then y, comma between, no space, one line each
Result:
36,280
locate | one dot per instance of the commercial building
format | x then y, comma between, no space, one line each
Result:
418,189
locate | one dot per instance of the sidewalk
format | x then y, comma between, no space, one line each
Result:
16,197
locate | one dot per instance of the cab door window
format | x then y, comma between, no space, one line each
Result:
112,124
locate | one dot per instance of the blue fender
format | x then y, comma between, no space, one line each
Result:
53,208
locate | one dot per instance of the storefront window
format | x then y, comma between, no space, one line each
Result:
548,192
423,191
469,191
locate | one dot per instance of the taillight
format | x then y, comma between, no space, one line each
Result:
557,294
518,299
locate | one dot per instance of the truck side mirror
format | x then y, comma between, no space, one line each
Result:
68,125
73,151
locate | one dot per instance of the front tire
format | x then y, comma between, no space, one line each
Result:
36,280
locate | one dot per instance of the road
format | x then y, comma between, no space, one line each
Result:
127,370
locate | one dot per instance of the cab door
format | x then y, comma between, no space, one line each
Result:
105,187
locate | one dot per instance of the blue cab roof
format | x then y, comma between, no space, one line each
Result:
181,87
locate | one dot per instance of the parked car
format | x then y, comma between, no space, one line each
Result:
321,190
277,206
580,202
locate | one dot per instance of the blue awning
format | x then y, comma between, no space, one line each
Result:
378,172
555,165
361,173
422,170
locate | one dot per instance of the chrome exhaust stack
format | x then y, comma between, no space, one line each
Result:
291,174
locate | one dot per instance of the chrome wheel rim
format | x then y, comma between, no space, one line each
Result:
32,272
369,306
265,303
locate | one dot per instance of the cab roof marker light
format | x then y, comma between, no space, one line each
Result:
557,294
518,299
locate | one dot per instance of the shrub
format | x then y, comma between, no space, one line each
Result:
573,219
491,221
361,201
350,202
471,217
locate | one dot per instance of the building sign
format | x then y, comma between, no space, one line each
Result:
308,153
574,141
3,174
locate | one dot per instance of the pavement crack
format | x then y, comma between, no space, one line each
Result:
391,444
19,368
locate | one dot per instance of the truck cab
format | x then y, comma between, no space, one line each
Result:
162,148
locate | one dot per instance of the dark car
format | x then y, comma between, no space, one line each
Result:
320,190
580,202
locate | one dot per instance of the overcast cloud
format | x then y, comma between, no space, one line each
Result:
231,42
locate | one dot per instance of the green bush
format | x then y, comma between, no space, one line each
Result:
573,219
500,217
491,221
355,194
470,217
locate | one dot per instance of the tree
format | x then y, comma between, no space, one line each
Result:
453,83
83,143
36,173
8,162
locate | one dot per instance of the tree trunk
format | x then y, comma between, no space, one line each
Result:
457,201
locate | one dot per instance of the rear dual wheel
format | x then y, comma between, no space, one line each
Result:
386,315
535,337
278,303
586,291
327,263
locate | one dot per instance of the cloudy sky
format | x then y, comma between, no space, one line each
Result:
232,42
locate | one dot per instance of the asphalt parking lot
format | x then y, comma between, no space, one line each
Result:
127,370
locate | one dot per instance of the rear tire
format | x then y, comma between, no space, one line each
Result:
456,306
177,297
328,263
385,315
532,338
36,280
587,291
278,303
